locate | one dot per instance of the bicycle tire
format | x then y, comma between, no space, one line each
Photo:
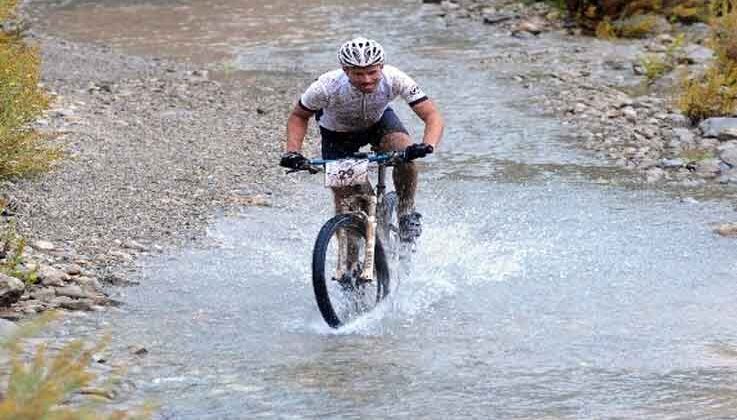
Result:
321,279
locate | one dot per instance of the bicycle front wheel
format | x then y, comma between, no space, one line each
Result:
337,263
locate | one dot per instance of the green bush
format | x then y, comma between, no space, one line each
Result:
12,246
22,150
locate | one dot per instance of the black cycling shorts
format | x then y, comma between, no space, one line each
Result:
336,145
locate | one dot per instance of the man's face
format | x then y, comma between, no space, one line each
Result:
366,79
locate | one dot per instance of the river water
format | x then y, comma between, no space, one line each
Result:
545,286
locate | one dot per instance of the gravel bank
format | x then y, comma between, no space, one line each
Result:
155,149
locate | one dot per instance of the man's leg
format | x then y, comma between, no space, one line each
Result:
404,175
405,183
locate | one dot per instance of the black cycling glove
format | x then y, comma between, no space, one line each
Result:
417,150
293,160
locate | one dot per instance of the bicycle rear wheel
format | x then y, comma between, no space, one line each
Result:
342,295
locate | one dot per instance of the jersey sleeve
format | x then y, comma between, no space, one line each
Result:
314,98
407,88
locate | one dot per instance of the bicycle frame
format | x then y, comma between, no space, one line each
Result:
373,197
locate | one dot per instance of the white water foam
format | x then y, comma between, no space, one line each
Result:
448,258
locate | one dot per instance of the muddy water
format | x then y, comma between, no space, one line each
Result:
543,288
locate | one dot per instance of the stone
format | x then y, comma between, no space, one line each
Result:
73,291
630,114
249,200
88,282
722,128
727,229
728,177
672,163
59,301
647,163
532,26
496,18
697,54
43,245
707,143
665,39
449,5
101,393
729,155
72,269
118,279
623,102
78,305
138,350
684,137
44,294
51,276
708,168
678,120
131,244
121,256
11,289
653,175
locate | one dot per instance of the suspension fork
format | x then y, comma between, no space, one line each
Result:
342,265
374,197
368,266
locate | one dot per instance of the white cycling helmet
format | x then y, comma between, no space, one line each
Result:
361,52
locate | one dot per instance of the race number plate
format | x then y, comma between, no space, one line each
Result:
346,172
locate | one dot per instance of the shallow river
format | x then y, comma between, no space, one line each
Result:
545,287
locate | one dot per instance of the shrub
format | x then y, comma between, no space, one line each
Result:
38,389
688,14
723,38
12,246
590,13
715,93
605,30
22,149
654,67
637,26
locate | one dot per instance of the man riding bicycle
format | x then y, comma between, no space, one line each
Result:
351,105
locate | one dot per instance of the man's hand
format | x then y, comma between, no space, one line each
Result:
417,150
293,160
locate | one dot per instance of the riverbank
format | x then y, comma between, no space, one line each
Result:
608,100
154,150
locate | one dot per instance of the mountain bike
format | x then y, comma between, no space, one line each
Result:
356,250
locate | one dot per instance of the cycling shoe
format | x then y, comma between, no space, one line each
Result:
410,227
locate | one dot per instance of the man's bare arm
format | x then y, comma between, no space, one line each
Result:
428,112
297,128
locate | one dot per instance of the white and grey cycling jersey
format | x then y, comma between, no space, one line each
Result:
345,108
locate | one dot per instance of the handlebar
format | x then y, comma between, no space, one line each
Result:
386,158
391,157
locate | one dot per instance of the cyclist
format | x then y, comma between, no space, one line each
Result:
351,105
